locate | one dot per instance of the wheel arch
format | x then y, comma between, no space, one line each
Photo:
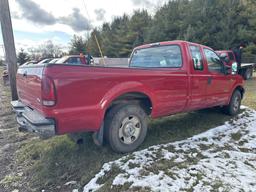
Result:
134,97
128,91
241,89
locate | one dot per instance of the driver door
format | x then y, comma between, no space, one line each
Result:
219,84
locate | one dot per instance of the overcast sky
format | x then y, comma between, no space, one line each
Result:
36,21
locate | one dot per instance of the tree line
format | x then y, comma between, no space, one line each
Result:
220,24
45,50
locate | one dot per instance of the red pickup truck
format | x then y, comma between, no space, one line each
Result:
162,79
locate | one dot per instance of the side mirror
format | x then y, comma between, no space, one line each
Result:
234,68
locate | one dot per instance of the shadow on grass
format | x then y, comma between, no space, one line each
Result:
56,161
182,126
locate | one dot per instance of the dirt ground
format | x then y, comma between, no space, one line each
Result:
10,141
14,176
23,156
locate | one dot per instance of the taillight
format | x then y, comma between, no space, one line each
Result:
48,92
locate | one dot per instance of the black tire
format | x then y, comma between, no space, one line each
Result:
248,73
115,126
234,105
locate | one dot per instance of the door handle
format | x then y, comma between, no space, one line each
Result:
209,80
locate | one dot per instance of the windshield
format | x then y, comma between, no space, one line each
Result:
157,57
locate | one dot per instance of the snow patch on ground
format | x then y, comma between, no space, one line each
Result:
221,159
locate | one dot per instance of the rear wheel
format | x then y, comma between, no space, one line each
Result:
126,127
234,105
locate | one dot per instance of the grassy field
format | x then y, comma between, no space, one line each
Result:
49,164
250,96
220,159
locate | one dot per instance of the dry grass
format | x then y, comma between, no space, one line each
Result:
250,94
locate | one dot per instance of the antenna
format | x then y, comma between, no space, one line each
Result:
95,36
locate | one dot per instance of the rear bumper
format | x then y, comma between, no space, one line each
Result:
32,121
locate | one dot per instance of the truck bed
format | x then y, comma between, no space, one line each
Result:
89,89
245,65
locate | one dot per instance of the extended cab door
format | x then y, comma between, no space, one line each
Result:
219,84
164,68
198,78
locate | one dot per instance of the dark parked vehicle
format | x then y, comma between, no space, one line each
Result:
74,60
246,70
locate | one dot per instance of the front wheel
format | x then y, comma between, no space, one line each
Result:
234,105
248,73
126,127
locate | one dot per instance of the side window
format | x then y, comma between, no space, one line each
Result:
159,57
196,57
231,56
213,60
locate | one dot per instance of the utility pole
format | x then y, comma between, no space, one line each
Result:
10,52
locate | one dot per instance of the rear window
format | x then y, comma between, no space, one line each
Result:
157,57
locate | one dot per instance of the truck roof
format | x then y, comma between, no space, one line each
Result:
169,43
224,51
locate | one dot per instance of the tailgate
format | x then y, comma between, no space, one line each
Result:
29,85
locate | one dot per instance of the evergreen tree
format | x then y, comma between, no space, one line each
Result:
220,24
138,26
22,57
77,45
91,44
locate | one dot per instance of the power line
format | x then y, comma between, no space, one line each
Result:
87,12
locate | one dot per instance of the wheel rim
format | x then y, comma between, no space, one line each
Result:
130,129
236,103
